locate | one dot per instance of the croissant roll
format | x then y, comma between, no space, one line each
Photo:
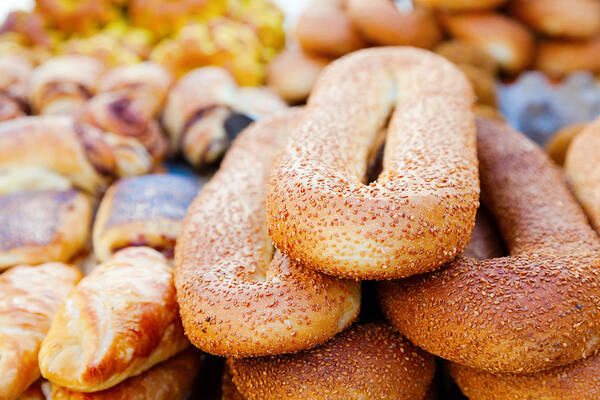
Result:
14,78
200,107
170,380
536,309
62,85
118,322
143,211
87,157
29,298
41,226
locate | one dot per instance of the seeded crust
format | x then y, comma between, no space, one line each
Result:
583,170
577,381
419,213
504,39
236,297
365,362
461,5
538,308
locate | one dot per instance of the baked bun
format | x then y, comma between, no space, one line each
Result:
561,57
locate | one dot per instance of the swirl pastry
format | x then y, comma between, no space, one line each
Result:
536,309
41,226
14,78
199,125
29,298
143,211
420,211
118,322
62,85
237,297
88,158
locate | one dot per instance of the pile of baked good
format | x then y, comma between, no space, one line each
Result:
380,242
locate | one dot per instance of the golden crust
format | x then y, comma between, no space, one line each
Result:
237,298
42,226
120,320
461,5
561,57
63,84
560,141
383,24
142,211
420,211
504,39
365,362
576,19
170,380
583,170
29,298
577,381
534,310
325,28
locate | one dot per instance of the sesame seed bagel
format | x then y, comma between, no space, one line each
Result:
365,362
237,298
420,211
583,170
536,309
577,381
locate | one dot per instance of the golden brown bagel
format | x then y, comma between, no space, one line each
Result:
382,23
29,298
504,39
170,380
577,381
142,211
561,57
466,53
583,170
293,73
14,78
576,19
86,156
420,211
237,296
365,362
560,141
63,84
42,226
118,322
461,5
534,310
325,28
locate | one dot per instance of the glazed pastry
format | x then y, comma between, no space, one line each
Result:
143,211
128,103
14,78
200,125
29,298
41,226
170,380
89,158
118,322
63,84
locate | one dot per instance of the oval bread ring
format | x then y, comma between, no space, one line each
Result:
577,381
369,361
237,299
382,23
561,57
461,5
325,28
559,143
583,170
536,309
419,213
503,38
575,19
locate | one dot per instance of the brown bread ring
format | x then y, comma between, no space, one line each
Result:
534,310
561,57
383,24
419,213
503,38
237,298
365,362
583,170
575,19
